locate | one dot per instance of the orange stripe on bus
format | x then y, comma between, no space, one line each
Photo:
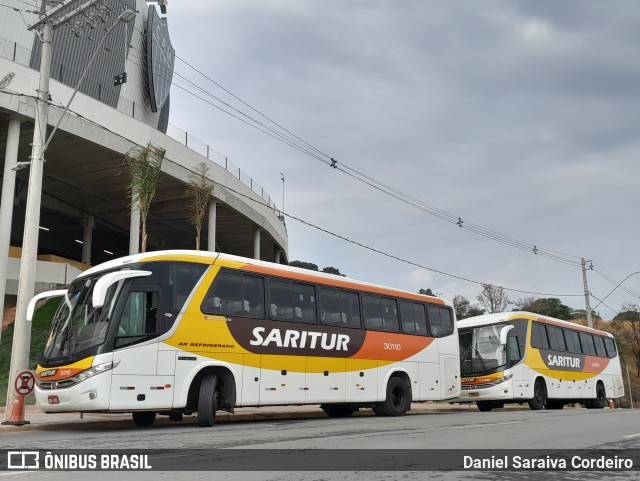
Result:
387,346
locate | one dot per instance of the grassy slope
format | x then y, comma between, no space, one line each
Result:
39,330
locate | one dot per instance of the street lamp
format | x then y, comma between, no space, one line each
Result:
26,285
619,284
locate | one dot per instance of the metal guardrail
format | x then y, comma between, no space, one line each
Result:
21,55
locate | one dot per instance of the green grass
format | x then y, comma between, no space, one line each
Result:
40,326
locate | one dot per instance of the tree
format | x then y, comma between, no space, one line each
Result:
144,167
627,323
493,298
426,292
464,308
551,307
198,194
304,265
333,270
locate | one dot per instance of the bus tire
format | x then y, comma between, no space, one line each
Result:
600,401
143,418
397,401
338,410
484,406
208,401
539,395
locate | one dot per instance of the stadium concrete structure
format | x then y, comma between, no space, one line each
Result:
122,103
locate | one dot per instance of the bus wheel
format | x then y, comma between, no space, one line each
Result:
208,401
144,418
398,399
539,396
338,410
484,406
600,401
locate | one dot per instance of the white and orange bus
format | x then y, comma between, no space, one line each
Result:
546,362
178,332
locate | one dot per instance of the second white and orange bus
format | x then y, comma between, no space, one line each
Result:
182,332
548,363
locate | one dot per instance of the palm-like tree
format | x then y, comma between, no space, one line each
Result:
198,194
144,166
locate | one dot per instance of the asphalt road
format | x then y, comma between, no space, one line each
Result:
501,429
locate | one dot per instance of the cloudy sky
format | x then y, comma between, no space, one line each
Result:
520,117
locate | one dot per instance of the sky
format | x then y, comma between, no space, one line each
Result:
519,116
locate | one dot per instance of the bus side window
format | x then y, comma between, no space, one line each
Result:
440,321
556,339
539,338
380,313
513,349
610,345
253,296
281,296
600,350
139,318
588,347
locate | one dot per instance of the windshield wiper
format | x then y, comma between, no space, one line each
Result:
479,357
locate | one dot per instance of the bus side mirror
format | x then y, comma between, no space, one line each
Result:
106,281
504,332
31,307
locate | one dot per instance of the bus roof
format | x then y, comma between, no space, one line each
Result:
257,266
498,317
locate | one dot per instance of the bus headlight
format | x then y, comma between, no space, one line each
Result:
92,371
502,379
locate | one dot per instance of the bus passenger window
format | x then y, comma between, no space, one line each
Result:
330,310
556,339
588,347
389,315
281,299
440,321
414,319
539,338
380,313
610,345
600,350
253,296
304,298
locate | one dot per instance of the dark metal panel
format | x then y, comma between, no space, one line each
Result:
73,50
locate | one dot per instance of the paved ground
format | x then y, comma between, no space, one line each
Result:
39,421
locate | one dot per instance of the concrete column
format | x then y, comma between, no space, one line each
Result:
213,207
134,227
277,261
89,224
6,205
256,245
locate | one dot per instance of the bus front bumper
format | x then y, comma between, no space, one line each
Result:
89,395
497,392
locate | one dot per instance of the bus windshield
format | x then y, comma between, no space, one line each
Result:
480,349
77,326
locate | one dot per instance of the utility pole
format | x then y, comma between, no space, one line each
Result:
586,292
27,280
